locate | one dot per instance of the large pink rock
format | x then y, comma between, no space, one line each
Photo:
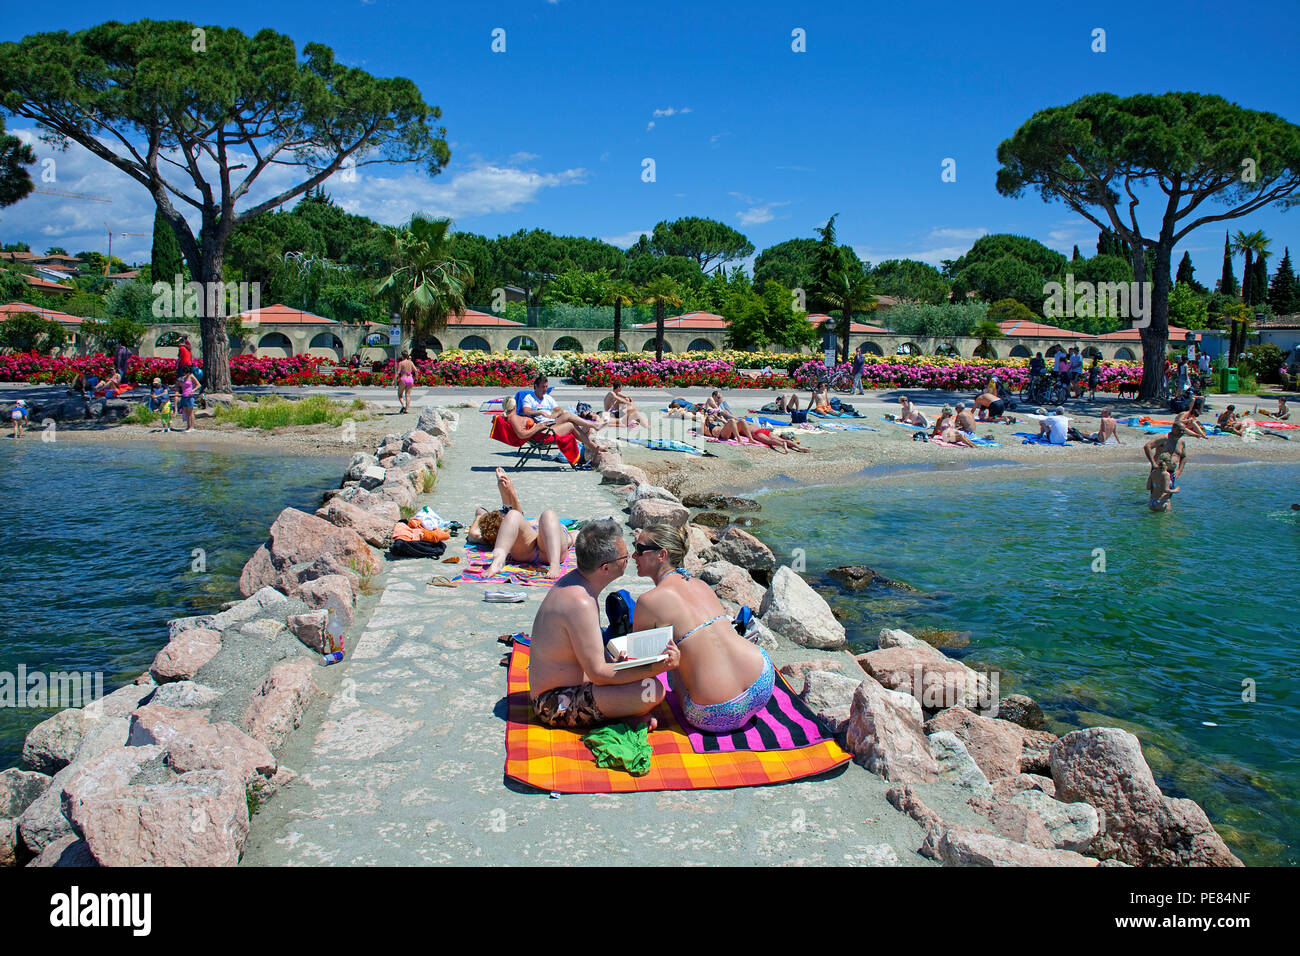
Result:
741,549
732,583
160,724
373,528
1104,767
796,672
648,511
199,819
430,448
185,654
617,473
936,681
885,735
277,705
311,629
104,774
220,746
966,846
298,538
332,593
999,747
398,489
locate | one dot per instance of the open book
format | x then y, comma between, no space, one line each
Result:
641,647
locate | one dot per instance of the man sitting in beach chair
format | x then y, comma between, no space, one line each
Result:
531,437
570,683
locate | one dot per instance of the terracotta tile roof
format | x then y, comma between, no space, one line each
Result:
1134,335
689,320
282,315
1016,327
45,285
14,308
817,318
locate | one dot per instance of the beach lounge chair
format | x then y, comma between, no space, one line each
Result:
539,445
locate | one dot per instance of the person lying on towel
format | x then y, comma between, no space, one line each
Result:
543,540
723,680
570,683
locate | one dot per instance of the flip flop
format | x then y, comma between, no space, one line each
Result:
454,559
442,581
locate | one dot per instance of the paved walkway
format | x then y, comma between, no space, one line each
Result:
403,764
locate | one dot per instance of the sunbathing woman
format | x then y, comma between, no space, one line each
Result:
542,540
909,414
1282,413
737,429
945,429
722,680
821,399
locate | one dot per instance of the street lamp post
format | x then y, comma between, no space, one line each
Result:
828,341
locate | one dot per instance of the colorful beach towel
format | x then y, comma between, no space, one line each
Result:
782,743
981,442
836,415
477,561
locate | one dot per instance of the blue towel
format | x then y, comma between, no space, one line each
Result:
1038,440
665,444
762,420
844,427
836,415
919,428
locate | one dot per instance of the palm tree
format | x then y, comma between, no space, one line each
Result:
985,330
1251,244
850,291
425,285
660,292
618,293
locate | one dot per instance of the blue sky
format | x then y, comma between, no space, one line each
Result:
553,132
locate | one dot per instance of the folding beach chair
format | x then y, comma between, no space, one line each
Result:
539,445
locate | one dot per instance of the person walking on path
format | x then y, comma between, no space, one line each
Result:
859,363
404,379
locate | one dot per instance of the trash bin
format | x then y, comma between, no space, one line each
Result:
1230,380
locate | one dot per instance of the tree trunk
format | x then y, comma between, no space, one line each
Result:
845,324
618,324
659,331
212,328
1155,336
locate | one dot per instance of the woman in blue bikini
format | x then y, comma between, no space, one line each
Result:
723,680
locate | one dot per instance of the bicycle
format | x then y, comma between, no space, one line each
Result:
842,380
1044,390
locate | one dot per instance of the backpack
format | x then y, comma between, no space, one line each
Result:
417,549
620,607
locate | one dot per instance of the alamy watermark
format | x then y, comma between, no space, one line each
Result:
1122,300
58,689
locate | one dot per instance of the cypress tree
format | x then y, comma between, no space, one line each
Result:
1076,257
166,262
1185,271
1259,282
1284,292
1228,281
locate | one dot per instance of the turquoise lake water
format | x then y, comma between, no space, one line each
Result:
1191,608
99,543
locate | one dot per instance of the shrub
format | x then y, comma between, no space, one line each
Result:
1262,362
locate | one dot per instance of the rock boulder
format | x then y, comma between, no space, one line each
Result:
795,611
885,735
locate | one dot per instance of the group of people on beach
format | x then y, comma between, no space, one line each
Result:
721,678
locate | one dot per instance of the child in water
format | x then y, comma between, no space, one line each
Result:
1160,483
19,417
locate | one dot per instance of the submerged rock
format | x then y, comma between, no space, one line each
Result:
858,577
721,502
711,519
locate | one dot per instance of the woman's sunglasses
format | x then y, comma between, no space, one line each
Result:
640,548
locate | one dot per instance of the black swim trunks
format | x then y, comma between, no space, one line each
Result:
568,707
995,409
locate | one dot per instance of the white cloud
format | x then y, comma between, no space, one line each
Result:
757,215
626,239
386,193
670,111
650,126
518,159
934,249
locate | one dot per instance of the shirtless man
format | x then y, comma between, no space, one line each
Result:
990,407
1106,430
540,541
622,410
570,683
965,420
1173,444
